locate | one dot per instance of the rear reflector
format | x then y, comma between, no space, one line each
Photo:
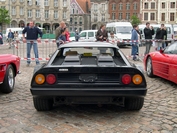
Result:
126,79
50,79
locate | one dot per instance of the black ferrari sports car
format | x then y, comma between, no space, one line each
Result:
88,73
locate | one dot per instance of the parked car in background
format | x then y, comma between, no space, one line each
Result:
9,68
88,73
87,36
72,36
122,30
163,63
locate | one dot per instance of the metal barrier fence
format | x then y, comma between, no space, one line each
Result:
19,48
45,48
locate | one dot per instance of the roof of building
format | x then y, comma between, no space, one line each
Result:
82,4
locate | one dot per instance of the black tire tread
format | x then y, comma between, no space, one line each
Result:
135,103
42,103
151,74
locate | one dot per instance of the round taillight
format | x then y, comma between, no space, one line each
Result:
40,79
137,79
126,79
50,79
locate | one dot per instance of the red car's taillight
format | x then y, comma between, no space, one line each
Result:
126,79
50,79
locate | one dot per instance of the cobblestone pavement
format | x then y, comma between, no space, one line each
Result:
158,114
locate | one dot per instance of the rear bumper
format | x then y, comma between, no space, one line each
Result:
135,92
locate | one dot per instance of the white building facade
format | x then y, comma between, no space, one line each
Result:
159,11
99,13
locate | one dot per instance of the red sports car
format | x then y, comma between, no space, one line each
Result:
9,67
163,63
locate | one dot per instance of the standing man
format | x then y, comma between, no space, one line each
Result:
32,33
10,38
77,36
148,33
160,34
58,31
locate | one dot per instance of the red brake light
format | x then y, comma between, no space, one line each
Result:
126,79
50,79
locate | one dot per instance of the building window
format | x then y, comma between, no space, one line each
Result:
71,20
172,16
21,11
113,6
64,3
128,6
46,13
163,17
103,17
127,16
64,14
46,3
95,7
75,20
80,20
103,7
95,17
145,16
29,13
135,14
120,6
163,5
152,5
3,7
37,2
135,6
37,13
55,14
80,29
152,16
113,15
13,11
172,4
145,5
29,2
120,16
21,0
55,3
13,0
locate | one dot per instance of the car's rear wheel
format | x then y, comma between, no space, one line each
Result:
42,103
135,103
9,80
149,68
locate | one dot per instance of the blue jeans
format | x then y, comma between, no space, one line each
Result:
35,49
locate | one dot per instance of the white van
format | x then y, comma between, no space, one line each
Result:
122,30
20,36
87,35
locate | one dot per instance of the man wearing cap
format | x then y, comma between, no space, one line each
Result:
148,33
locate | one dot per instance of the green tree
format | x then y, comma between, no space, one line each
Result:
4,17
135,20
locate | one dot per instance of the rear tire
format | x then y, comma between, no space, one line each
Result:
42,103
9,80
135,103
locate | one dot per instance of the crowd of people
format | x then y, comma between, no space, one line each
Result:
34,34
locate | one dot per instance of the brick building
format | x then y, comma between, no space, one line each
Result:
122,10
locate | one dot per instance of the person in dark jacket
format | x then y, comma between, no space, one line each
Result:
165,43
32,33
160,34
77,36
62,37
102,34
10,38
148,33
1,38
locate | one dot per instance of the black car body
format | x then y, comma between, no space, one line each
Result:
88,73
